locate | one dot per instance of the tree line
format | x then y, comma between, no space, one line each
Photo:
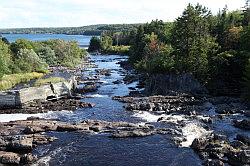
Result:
214,48
91,30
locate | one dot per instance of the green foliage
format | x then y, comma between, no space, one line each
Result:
21,44
9,81
47,55
106,42
5,59
29,61
246,14
157,56
245,39
67,54
192,41
121,50
45,81
95,44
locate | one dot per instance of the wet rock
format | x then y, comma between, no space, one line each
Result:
95,128
117,82
42,139
239,157
33,129
238,144
133,133
200,143
69,127
39,106
20,143
106,72
212,162
9,158
87,88
243,124
130,78
243,138
28,158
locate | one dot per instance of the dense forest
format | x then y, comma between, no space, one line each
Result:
85,30
215,49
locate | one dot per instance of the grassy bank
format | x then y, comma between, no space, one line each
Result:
45,81
10,81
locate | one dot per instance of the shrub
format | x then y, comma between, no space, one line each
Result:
95,44
47,55
29,61
5,59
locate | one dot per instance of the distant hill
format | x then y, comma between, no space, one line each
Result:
84,30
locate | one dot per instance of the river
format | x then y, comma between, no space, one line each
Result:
99,149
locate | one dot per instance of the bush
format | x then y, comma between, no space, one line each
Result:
5,59
67,54
122,50
95,44
9,81
28,61
47,55
45,81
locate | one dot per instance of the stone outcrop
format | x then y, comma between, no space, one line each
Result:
166,84
15,99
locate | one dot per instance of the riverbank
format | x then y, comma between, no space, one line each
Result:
150,130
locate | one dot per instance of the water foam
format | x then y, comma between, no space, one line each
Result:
149,117
192,131
19,116
96,96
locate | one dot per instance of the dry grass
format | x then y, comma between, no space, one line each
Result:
9,81
45,81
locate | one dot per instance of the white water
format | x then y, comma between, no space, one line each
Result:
192,131
149,117
49,115
96,96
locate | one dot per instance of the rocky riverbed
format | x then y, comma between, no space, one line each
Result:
111,122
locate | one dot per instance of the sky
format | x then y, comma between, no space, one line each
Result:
73,13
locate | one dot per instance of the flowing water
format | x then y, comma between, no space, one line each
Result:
98,149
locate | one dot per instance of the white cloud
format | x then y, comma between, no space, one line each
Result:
55,13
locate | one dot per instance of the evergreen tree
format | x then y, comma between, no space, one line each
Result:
192,41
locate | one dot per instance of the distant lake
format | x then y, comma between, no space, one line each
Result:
81,39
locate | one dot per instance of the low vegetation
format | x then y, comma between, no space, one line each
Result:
10,81
45,81
19,59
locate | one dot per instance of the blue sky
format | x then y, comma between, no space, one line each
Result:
65,13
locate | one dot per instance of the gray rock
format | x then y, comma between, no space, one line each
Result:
9,158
